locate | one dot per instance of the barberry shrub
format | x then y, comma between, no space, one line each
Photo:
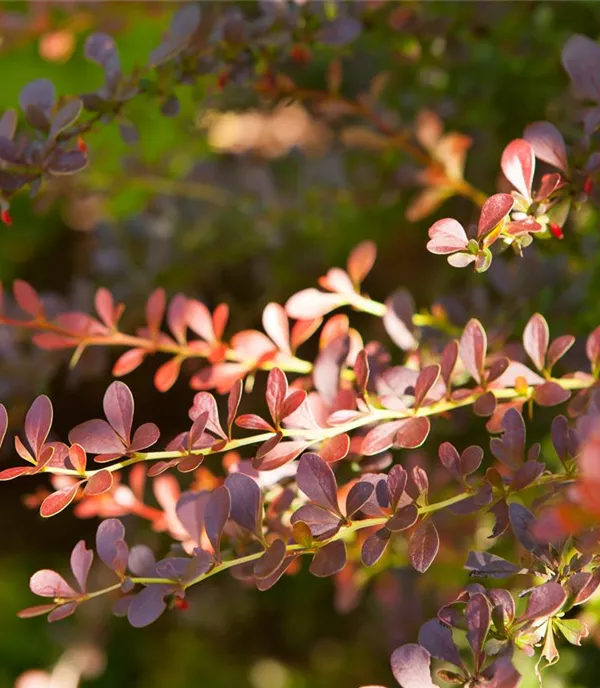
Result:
317,469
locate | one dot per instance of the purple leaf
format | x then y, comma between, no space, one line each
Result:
374,546
316,479
197,566
511,448
216,515
141,561
426,380
448,360
536,338
145,436
359,495
490,565
271,560
494,210
266,583
548,144
62,612
437,640
450,459
529,472
148,605
403,518
544,601
411,667
446,236
479,619
423,546
471,459
580,58
582,585
96,437
518,165
550,394
396,482
322,523
206,403
276,392
246,501
397,319
523,523
485,405
473,348
48,583
109,533
38,422
329,560
558,348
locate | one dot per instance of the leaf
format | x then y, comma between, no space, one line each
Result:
16,472
145,436
48,583
412,433
276,325
340,31
206,403
423,546
148,605
487,564
65,162
426,380
536,338
66,116
329,560
316,479
550,394
580,56
479,619
59,500
358,496
471,459
38,422
448,361
518,166
118,408
558,348
99,483
374,547
277,387
544,600
335,448
411,667
485,405
271,560
396,482
397,319
96,437
81,562
128,362
141,561
381,437
233,404
101,48
494,210
312,303
328,366
403,519
511,448
361,261
109,533
446,236
3,423
250,421
216,515
283,453
39,93
246,501
573,630
437,640
27,298
523,524
322,523
62,612
529,472
473,348
548,144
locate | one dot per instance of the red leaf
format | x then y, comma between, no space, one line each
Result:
312,303
448,361
283,453
3,423
412,433
78,458
118,407
403,519
176,317
302,330
316,479
250,421
48,583
96,437
145,436
57,501
27,298
337,280
155,310
166,376
361,261
16,472
38,422
423,546
358,496
473,348
292,403
105,307
518,165
381,437
276,392
411,667
536,337
548,144
81,562
271,560
204,402
494,210
544,601
426,380
335,448
558,348
220,318
329,560
128,362
233,404
550,394
374,547
479,619
328,367
276,325
446,236
99,483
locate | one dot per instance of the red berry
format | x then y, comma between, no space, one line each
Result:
222,80
82,145
588,186
6,218
556,230
181,604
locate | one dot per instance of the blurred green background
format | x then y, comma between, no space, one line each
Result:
248,229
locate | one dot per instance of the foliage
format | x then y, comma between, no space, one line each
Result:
314,472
